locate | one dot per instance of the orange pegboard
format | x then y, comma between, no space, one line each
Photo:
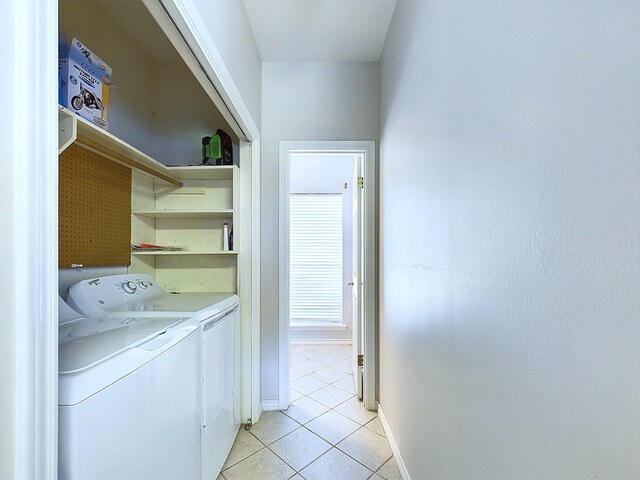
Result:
94,210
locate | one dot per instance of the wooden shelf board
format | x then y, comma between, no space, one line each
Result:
186,214
100,141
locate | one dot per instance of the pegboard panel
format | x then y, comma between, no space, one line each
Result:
94,210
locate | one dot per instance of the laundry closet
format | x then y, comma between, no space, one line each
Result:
134,197
158,113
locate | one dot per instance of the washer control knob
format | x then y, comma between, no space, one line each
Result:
143,284
129,287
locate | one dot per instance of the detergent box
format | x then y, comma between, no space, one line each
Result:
84,82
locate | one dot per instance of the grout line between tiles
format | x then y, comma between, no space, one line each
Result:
374,471
284,461
380,468
307,356
259,441
291,466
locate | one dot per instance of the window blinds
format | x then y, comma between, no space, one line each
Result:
315,246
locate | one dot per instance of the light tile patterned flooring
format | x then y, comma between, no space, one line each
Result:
326,434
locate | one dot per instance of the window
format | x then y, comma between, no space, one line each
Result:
315,259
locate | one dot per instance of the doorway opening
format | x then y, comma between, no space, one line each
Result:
327,277
321,247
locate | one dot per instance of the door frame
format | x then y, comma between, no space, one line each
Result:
29,195
368,148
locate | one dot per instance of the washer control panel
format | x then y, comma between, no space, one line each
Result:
129,287
95,297
132,286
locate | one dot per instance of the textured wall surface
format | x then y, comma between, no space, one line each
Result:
303,101
510,239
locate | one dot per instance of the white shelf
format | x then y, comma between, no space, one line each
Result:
185,214
181,252
218,172
75,129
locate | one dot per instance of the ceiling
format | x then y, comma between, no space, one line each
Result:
320,30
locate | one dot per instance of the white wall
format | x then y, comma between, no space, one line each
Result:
180,121
230,30
510,244
130,102
329,173
303,101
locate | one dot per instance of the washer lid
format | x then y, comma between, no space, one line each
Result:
86,342
184,304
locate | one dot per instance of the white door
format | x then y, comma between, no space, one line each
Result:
356,281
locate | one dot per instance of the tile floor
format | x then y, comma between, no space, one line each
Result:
326,434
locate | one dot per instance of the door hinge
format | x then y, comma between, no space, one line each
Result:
360,182
361,360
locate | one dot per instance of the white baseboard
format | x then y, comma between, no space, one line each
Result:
270,405
404,473
308,341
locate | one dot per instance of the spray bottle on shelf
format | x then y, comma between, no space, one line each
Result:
225,237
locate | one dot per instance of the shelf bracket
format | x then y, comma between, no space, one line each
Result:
67,131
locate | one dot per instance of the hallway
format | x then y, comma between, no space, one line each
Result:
325,433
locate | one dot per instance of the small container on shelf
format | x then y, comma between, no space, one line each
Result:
225,237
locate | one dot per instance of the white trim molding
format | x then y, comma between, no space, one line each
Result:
404,473
270,405
283,280
256,406
29,220
194,31
248,263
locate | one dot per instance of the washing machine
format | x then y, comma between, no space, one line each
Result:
217,314
128,397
